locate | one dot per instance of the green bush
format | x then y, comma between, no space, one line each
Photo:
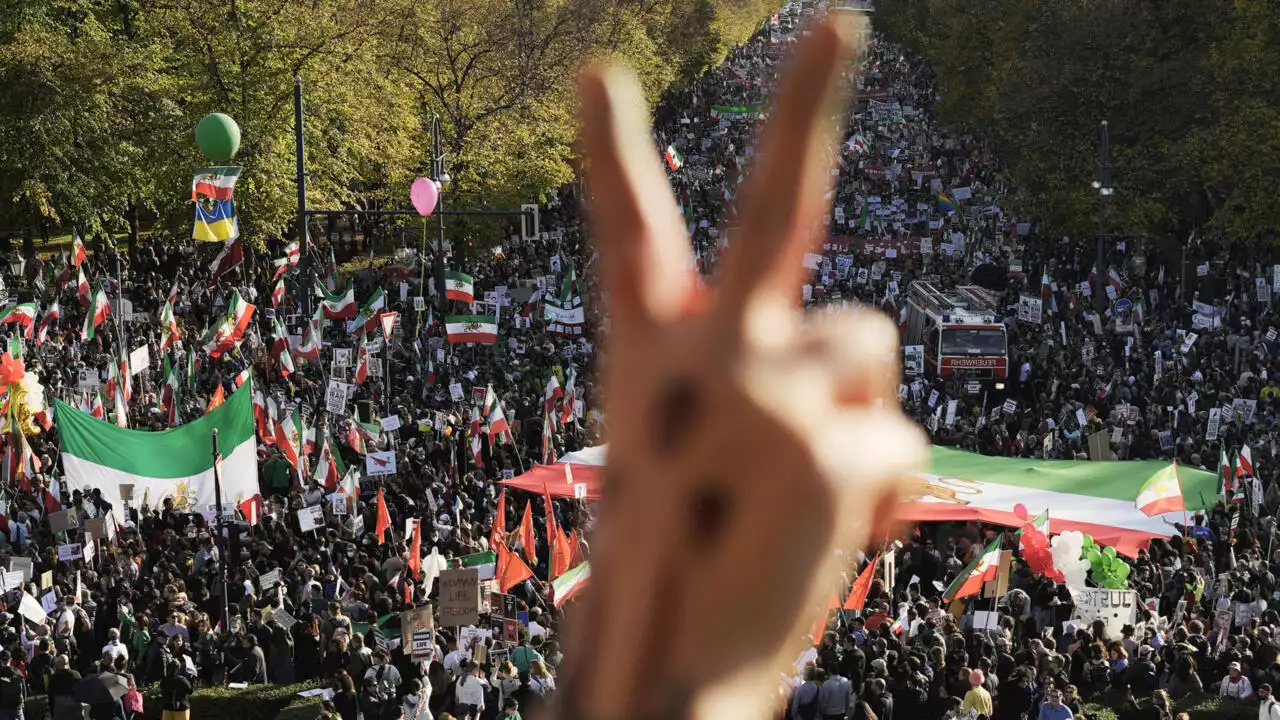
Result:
1205,707
256,702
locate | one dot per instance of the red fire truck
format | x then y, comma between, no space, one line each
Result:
961,332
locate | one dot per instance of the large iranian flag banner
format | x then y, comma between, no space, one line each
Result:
175,463
1098,498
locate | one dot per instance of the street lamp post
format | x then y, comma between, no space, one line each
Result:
440,176
1105,190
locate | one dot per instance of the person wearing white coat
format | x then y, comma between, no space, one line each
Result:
416,703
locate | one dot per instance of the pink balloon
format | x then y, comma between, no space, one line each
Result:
424,196
1020,511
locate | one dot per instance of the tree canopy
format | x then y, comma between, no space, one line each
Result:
1189,90
102,98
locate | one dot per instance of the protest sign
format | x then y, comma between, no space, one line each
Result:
1030,310
30,609
459,597
390,422
338,503
423,645
380,463
1212,426
415,620
311,518
268,580
1115,608
62,521
913,360
70,552
335,398
22,565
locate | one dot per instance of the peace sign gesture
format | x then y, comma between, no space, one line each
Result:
745,445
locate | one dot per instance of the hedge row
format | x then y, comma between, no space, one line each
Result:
257,702
1201,708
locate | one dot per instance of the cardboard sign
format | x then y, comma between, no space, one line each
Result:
310,518
414,621
1115,608
455,392
390,422
380,463
22,565
459,597
62,521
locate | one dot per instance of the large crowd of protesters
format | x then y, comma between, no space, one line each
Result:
148,610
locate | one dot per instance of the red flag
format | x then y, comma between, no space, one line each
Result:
561,554
858,594
556,540
511,569
526,533
499,530
551,514
820,625
216,400
415,552
251,508
384,518
575,550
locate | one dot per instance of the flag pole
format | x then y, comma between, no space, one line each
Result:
217,500
1178,479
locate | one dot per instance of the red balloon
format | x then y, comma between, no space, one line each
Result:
1027,529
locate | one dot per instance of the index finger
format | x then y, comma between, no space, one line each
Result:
784,199
642,240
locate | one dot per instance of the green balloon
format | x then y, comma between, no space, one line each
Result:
1122,570
218,137
1109,551
1094,558
1088,541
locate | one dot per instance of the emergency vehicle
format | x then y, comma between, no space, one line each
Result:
961,332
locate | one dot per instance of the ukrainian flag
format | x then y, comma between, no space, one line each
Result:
217,222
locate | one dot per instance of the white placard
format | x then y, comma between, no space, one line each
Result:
335,398
1030,309
1188,341
311,518
380,463
70,552
933,398
1010,407
455,392
338,504
342,357
390,422
1211,427
951,412
30,609
139,360
267,580
1115,608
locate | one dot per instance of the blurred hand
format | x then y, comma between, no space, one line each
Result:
745,445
